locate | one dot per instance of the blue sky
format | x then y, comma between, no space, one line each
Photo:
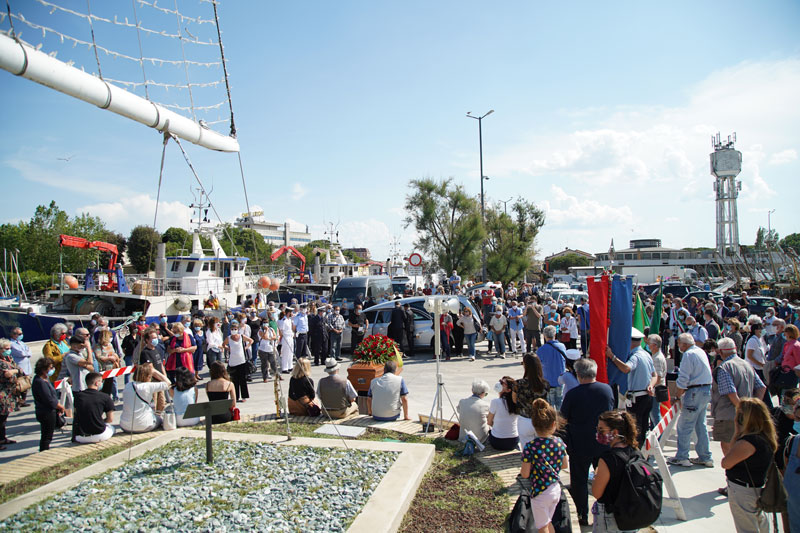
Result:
603,117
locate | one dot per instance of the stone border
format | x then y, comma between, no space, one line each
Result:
383,511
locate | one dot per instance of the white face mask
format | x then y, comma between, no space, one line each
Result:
498,387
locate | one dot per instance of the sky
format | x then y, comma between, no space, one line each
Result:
603,117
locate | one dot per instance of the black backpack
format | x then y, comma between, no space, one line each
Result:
638,502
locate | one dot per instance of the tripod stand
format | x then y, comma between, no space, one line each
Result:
438,305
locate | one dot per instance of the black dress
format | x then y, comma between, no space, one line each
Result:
219,395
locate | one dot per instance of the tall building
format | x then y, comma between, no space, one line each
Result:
363,253
275,233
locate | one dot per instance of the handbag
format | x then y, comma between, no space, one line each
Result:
23,384
251,367
169,420
61,420
662,393
564,337
773,494
521,518
779,380
235,414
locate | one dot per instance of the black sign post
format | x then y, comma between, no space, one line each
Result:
208,409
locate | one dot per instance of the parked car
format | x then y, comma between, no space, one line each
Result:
704,295
380,315
677,290
758,304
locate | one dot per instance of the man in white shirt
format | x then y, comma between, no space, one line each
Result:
497,326
300,322
387,394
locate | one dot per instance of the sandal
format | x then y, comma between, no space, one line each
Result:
723,491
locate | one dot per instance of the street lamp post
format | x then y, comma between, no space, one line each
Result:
483,177
505,204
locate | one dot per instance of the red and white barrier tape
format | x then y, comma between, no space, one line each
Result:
114,372
661,426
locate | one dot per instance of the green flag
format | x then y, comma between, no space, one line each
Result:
639,316
655,325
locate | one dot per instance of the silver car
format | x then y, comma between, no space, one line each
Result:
380,315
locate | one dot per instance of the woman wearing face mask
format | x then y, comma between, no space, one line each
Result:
213,342
755,350
9,400
785,423
56,347
569,329
733,331
45,401
199,342
180,351
503,417
616,429
470,327
237,362
746,463
791,350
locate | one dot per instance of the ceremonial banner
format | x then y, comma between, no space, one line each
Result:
640,320
619,331
597,287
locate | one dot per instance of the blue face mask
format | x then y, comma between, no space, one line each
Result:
163,320
20,337
198,328
51,372
6,352
154,341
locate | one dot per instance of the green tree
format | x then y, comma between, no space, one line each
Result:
791,241
247,243
448,222
510,240
563,262
143,248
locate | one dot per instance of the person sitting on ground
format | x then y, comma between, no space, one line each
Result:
220,388
183,395
616,429
301,390
336,394
387,394
473,412
542,460
90,405
503,417
746,463
138,414
45,400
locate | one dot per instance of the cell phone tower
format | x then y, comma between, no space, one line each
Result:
726,164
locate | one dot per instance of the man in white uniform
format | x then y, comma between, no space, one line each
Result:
286,331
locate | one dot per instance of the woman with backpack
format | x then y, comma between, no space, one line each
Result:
542,459
747,462
616,429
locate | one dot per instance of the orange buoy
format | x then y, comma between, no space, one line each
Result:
264,282
71,282
275,285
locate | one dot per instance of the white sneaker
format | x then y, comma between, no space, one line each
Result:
698,461
679,462
471,358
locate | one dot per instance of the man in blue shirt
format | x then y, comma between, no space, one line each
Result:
552,354
515,333
642,379
301,339
583,324
694,395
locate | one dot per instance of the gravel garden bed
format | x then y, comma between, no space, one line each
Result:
251,487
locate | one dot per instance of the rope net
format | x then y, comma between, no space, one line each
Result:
166,51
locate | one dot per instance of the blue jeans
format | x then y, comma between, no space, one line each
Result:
554,397
693,419
655,413
500,340
470,338
128,362
335,343
445,338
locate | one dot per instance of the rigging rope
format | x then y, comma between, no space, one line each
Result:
141,52
203,188
167,136
185,66
94,44
227,83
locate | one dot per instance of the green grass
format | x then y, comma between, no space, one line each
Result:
9,491
307,430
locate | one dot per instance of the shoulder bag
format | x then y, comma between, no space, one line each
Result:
23,384
773,494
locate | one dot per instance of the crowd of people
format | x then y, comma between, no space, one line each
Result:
723,357
716,354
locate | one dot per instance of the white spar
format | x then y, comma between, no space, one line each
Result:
22,60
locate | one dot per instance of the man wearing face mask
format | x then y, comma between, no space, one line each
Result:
769,325
301,328
517,336
497,326
642,379
334,324
694,394
21,355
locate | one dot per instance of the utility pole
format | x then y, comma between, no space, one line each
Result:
483,177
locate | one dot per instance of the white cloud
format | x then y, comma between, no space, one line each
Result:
783,157
625,169
139,209
298,191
